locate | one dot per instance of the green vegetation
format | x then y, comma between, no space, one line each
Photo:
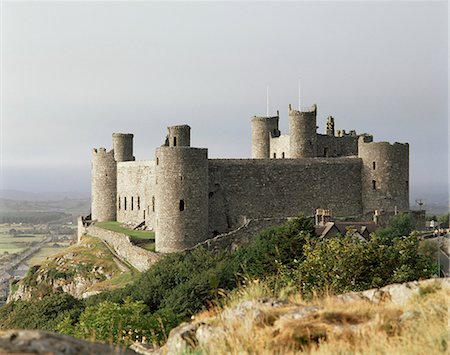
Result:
144,239
288,258
398,226
43,314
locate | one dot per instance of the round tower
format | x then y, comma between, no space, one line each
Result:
179,136
123,146
385,176
303,133
103,185
181,198
262,128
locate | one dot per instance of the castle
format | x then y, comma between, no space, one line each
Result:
187,198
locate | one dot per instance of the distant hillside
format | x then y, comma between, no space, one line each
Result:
41,196
27,211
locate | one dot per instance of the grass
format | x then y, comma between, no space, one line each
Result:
143,239
335,327
135,234
11,248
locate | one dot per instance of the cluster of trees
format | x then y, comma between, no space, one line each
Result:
287,257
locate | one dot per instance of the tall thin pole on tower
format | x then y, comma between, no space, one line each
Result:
267,100
299,107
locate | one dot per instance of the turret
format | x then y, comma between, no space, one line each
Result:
104,185
303,133
262,129
123,146
179,136
181,198
330,126
385,175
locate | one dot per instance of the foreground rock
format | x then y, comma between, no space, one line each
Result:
38,342
278,326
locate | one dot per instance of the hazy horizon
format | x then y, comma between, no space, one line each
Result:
74,72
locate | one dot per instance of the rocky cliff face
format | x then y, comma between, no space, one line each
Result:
81,270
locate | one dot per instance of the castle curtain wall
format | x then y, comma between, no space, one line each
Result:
240,188
135,183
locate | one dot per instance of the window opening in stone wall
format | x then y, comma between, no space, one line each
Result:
138,203
282,155
374,185
325,152
181,177
174,141
144,215
374,165
125,203
157,160
274,155
118,199
181,205
153,204
132,203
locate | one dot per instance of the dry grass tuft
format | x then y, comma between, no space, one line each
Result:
332,326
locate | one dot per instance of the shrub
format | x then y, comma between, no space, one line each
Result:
44,314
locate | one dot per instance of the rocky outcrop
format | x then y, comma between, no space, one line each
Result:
78,271
37,342
284,320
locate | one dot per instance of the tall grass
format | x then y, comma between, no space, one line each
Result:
333,326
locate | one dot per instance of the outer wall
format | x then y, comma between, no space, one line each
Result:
280,188
181,175
136,183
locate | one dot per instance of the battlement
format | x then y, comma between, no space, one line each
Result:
123,135
188,198
309,109
102,152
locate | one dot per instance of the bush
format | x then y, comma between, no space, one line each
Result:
398,226
349,264
44,314
117,323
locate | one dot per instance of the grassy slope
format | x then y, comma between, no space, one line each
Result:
80,260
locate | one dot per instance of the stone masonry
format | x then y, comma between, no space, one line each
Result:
188,198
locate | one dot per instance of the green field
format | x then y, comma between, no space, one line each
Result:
43,253
10,248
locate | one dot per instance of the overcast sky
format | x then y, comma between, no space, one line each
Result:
74,72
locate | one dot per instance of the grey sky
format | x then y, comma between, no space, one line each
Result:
74,72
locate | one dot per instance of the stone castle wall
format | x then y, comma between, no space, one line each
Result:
385,176
139,258
104,185
181,197
262,188
279,147
136,192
